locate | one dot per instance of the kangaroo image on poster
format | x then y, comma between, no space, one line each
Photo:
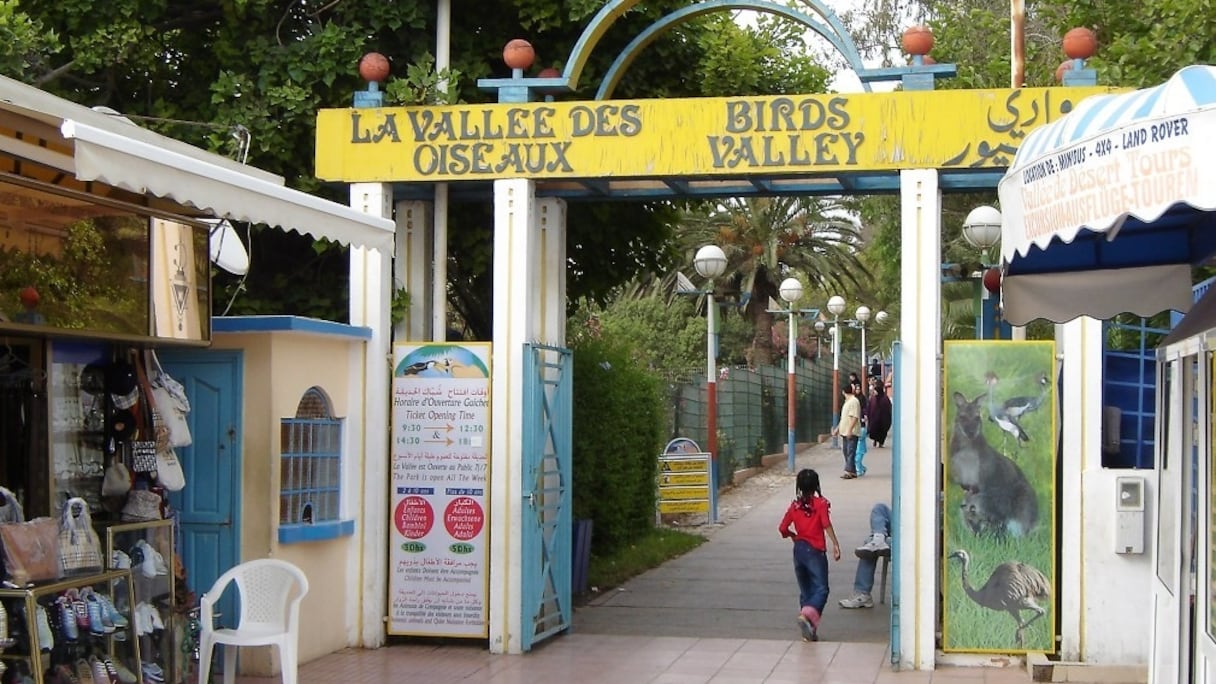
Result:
998,564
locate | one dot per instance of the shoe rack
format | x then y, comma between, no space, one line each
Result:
147,548
45,636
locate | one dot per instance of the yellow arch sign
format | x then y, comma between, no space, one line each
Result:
687,138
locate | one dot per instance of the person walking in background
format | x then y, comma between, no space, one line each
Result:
859,454
808,521
849,428
875,547
878,413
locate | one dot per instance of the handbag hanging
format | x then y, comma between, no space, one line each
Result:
79,547
171,402
168,469
10,507
142,504
117,478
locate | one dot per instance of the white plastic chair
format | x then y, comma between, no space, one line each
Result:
270,591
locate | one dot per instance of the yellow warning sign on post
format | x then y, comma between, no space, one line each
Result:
684,479
684,483
699,506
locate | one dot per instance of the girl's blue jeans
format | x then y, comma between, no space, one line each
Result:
811,570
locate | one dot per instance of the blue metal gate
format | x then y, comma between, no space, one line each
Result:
546,529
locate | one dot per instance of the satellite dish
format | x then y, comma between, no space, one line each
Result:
227,251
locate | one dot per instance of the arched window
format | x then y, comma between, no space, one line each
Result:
310,476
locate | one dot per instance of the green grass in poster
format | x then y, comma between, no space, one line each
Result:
999,423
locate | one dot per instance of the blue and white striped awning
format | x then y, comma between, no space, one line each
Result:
1107,209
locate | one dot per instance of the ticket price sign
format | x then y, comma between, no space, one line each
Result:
439,547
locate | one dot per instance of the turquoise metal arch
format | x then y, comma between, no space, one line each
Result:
834,32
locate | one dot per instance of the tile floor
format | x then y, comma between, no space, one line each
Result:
602,659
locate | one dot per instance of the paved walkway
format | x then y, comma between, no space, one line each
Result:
723,613
740,583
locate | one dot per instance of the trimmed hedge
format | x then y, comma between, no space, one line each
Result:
618,434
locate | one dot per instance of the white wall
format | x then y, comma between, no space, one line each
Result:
1116,588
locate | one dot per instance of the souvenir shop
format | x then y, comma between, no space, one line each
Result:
107,237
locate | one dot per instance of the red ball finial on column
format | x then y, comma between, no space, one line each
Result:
373,67
1080,43
918,40
518,54
992,280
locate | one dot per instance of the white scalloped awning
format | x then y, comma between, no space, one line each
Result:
100,147
1107,209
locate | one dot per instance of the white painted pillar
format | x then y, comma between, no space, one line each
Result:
517,303
918,391
551,215
413,269
1079,344
370,297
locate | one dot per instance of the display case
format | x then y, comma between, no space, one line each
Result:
45,633
77,425
148,548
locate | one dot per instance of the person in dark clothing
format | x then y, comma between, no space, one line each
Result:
878,413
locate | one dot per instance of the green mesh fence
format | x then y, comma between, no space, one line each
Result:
752,411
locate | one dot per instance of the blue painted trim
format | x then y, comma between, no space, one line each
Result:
897,73
245,324
295,534
961,180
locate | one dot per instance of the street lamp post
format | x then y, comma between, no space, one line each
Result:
791,292
982,230
710,262
863,315
835,307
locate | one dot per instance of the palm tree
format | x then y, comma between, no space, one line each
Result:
767,239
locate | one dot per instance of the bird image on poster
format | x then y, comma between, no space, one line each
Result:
441,361
998,553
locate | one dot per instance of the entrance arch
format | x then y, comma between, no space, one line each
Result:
533,156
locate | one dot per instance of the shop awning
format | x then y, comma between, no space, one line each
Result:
1107,209
111,150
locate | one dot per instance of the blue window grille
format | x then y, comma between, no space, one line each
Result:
310,477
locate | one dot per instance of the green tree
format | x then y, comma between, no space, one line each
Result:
768,239
203,72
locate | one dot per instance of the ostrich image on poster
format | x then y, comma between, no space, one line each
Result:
998,555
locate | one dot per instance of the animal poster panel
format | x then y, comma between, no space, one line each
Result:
998,551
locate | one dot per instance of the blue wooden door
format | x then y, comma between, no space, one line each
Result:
546,489
209,506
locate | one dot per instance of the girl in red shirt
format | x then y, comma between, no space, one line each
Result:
809,518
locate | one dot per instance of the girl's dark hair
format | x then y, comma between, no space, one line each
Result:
807,484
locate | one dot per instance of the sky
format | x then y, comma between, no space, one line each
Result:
846,80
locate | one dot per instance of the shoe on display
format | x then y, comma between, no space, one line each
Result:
5,640
67,619
140,618
857,601
125,676
100,674
80,607
154,617
109,610
99,620
84,674
119,560
46,638
153,672
875,546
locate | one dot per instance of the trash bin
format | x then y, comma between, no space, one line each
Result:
581,561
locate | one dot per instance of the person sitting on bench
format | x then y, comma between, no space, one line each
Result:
876,547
